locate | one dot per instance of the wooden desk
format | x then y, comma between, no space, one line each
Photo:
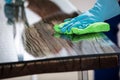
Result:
33,47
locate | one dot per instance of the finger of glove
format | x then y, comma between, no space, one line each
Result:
85,23
72,23
76,24
66,26
82,24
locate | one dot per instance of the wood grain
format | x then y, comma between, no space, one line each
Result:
40,41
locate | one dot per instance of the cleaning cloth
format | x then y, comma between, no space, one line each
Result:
92,28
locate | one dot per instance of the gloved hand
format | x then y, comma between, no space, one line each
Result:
102,10
8,1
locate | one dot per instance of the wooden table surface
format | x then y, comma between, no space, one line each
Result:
29,45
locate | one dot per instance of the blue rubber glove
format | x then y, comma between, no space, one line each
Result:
101,11
8,1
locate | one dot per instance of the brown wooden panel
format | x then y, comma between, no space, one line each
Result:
63,65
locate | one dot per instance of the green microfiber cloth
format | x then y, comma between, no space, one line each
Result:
92,28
